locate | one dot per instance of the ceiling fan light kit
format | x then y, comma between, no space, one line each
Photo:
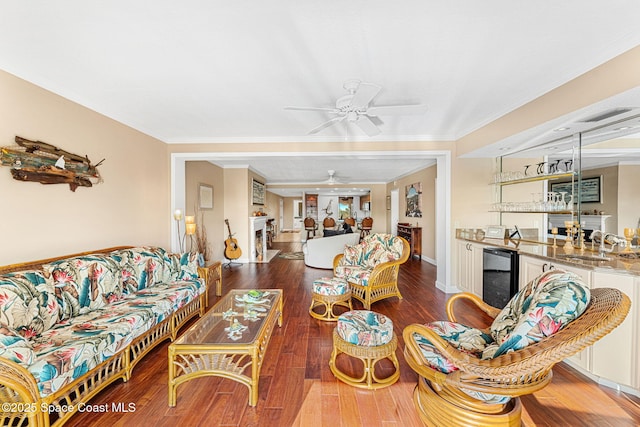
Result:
355,108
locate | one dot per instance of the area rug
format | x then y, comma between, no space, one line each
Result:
290,231
292,255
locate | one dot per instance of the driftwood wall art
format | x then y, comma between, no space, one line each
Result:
47,164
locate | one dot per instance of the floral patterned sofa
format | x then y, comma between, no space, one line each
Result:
371,267
70,326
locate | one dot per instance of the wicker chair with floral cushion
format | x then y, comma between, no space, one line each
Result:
371,267
473,377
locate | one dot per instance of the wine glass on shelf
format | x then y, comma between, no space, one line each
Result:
563,202
568,166
628,235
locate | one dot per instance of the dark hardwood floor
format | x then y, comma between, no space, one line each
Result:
297,388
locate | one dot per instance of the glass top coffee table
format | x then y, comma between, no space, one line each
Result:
229,341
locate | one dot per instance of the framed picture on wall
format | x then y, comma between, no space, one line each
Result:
205,196
591,191
413,193
257,192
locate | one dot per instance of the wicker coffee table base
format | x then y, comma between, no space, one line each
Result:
329,302
370,356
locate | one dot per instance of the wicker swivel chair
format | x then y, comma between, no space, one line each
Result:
445,399
351,221
310,226
329,223
371,267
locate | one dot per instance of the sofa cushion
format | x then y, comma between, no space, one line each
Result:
142,267
74,346
27,302
184,266
15,347
85,283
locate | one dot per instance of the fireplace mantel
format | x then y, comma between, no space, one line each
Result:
257,224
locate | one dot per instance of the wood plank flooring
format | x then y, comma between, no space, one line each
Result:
297,388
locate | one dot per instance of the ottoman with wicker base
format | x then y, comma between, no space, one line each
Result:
329,292
368,336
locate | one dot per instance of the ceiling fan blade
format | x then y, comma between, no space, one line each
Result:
388,110
364,95
367,126
326,125
327,109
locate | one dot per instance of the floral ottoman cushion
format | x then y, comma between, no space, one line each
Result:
330,286
365,328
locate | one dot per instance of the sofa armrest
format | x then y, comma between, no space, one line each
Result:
212,273
20,387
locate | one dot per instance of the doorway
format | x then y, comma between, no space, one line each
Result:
297,214
394,215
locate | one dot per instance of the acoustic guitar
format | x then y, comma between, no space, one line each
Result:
231,248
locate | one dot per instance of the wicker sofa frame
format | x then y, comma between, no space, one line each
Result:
438,396
383,279
18,388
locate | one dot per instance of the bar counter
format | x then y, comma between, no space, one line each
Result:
620,261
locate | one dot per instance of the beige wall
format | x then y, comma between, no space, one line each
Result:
131,206
236,205
272,206
628,197
201,172
288,212
427,177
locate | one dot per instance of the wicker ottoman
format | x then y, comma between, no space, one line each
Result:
368,336
329,292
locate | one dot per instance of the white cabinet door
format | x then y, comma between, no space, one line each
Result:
464,265
476,269
469,268
615,356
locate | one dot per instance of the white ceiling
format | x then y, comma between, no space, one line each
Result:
220,71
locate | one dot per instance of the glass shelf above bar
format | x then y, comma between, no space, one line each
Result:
535,178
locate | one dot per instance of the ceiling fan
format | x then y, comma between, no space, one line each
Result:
355,108
332,179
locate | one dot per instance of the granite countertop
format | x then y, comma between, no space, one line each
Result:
618,261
